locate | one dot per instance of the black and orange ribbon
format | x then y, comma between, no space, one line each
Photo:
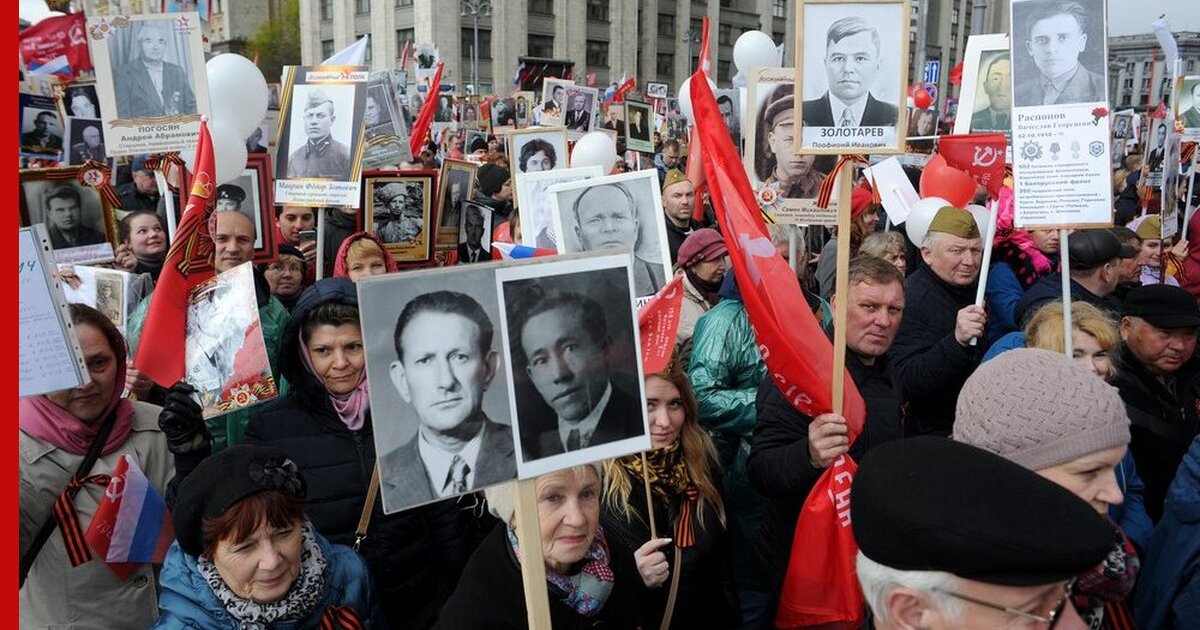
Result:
341,618
685,534
162,162
827,184
76,545
101,182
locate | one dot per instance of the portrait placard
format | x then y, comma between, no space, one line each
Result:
616,212
41,128
399,210
583,105
150,80
985,103
639,117
320,138
729,103
1061,143
106,290
80,100
250,194
657,90
851,91
554,101
569,408
922,129
79,222
785,184
385,132
475,233
455,183
536,207
538,149
1187,106
468,117
503,116
49,358
85,140
1157,149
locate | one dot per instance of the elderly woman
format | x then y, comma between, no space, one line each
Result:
58,432
704,259
687,506
589,585
362,254
889,245
324,425
285,276
246,556
1041,410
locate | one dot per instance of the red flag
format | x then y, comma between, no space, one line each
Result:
160,352
798,355
589,79
695,170
421,127
980,155
658,323
956,74
618,94
64,35
404,54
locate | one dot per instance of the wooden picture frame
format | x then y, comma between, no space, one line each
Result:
460,173
646,111
404,247
95,216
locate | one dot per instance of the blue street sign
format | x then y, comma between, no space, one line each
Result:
933,70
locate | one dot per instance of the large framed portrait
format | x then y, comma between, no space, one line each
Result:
985,103
455,186
1187,106
79,220
41,127
582,106
582,405
616,211
852,91
416,326
399,209
639,118
150,80
1053,39
538,149
79,100
554,101
475,233
385,132
250,193
535,206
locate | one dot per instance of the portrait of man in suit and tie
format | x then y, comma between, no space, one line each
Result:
145,79
1059,38
444,364
474,236
579,112
852,63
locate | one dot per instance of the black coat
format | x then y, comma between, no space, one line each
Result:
1048,288
1162,424
779,466
414,556
490,595
930,365
707,597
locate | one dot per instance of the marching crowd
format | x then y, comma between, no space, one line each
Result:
1002,484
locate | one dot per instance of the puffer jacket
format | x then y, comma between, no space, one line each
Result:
1168,593
187,601
414,556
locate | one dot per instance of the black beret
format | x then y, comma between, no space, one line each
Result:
230,191
1163,306
932,504
222,480
287,249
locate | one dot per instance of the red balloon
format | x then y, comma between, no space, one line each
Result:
922,99
939,179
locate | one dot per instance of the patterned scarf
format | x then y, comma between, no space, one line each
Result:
586,590
669,478
1100,593
300,602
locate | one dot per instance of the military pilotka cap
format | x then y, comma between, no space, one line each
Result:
932,504
1088,249
956,221
780,110
231,192
674,176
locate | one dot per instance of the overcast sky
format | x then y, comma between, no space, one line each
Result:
1130,17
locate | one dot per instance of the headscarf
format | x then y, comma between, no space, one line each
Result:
586,590
341,268
351,408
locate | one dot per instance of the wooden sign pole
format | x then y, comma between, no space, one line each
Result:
1068,342
841,285
533,564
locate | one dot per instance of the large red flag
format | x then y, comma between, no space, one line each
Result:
658,324
980,155
425,118
160,352
63,35
695,168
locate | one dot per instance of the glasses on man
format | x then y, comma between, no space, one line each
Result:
1050,620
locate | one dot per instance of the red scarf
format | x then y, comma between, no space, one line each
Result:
341,269
46,421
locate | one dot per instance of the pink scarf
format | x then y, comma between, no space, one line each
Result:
46,421
351,408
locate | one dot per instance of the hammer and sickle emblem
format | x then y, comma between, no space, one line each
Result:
985,156
116,488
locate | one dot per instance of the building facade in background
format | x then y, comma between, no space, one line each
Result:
1137,74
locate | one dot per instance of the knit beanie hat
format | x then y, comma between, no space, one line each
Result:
491,178
1038,408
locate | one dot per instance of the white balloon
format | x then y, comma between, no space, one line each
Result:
916,225
685,98
595,149
755,49
981,216
237,92
229,151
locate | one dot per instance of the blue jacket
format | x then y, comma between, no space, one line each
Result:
187,601
1003,292
1168,594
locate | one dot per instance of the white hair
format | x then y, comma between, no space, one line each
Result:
931,240
502,498
878,582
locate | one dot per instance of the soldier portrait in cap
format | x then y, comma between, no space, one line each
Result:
242,194
321,132
86,138
850,90
1187,106
398,211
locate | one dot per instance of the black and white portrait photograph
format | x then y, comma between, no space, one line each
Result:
523,103
259,138
79,224
80,100
614,118
581,109
468,117
444,112
1059,52
475,234
657,90
617,211
571,348
385,132
503,115
539,149
321,137
554,100
399,211
1122,126
85,140
853,84
1187,106
987,87
242,194
455,185
536,207
729,102
1156,152
922,128
639,122
433,363
379,112
41,127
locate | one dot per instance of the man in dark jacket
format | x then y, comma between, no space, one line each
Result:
933,355
791,450
1159,380
1095,259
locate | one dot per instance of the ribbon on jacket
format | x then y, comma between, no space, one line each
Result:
68,519
685,532
341,618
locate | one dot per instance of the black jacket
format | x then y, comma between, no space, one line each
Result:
414,556
1048,288
1162,424
779,465
929,364
490,595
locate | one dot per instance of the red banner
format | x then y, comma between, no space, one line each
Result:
421,127
64,35
160,351
695,170
658,323
980,155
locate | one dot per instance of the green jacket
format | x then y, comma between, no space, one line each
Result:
227,429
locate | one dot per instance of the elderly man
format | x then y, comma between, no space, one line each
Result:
579,118
471,249
606,216
930,561
679,204
90,146
791,450
933,355
142,192
444,364
777,162
1159,380
1096,257
149,85
64,220
852,59
1055,39
42,139
997,84
321,155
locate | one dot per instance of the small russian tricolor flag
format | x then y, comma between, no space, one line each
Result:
508,251
132,526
